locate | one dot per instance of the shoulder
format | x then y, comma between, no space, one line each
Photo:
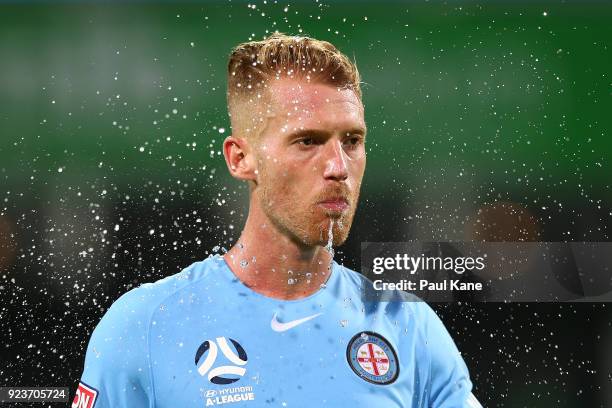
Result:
395,303
370,294
135,307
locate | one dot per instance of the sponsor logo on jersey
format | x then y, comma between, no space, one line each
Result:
229,395
85,396
206,357
372,358
281,327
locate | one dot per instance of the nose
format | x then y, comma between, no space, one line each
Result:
336,167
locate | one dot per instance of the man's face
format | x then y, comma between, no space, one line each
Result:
310,160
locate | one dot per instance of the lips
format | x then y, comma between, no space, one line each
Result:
338,204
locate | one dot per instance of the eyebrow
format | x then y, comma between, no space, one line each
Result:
324,133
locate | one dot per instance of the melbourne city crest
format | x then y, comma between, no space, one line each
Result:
373,358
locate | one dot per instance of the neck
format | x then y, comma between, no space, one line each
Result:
272,264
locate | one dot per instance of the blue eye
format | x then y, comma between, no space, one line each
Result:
353,142
307,141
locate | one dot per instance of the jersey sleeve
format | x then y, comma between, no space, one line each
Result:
450,384
116,372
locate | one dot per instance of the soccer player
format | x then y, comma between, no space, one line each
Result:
275,322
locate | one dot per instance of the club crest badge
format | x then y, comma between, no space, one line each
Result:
372,358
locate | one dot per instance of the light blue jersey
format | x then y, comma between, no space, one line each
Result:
201,338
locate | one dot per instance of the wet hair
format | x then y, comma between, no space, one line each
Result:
254,65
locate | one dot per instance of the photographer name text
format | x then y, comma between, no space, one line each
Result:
424,284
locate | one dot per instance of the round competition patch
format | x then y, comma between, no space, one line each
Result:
372,358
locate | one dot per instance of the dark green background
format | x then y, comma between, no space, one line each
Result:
501,93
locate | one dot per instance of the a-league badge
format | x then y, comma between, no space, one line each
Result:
372,358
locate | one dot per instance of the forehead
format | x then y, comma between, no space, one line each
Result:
303,104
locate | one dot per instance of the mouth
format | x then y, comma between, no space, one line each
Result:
335,204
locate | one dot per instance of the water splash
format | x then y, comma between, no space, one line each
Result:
330,238
329,247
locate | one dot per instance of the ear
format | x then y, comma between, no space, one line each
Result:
239,158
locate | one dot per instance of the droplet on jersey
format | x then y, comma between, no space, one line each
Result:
162,307
343,322
244,263
364,336
323,286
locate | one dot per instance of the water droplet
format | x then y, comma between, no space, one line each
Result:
244,263
343,322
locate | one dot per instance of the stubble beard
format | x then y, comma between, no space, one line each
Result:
304,225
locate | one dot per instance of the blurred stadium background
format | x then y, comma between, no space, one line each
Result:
486,122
